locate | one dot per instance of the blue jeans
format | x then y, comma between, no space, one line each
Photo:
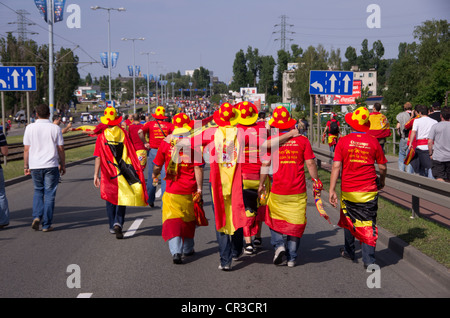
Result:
116,214
230,245
177,246
151,190
402,150
291,244
368,252
4,208
45,184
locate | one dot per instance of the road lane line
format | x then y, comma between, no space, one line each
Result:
158,193
133,227
84,295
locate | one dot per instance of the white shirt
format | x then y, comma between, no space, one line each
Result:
43,137
422,127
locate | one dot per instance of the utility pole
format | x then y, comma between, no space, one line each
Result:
283,32
22,25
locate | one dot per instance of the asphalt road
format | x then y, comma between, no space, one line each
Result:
35,264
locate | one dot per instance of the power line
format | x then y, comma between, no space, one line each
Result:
283,32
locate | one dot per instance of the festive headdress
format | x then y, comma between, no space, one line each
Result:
160,113
110,117
183,124
227,115
249,113
359,119
281,118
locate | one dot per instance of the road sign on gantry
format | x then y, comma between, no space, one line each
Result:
17,78
330,83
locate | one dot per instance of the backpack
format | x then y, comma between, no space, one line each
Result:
334,128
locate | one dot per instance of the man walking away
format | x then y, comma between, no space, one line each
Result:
357,153
439,147
4,208
402,119
44,160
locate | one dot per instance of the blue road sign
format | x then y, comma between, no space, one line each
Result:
17,78
330,83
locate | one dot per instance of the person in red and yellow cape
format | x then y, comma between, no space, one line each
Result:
156,130
286,202
332,128
356,153
225,148
379,125
184,178
122,181
252,130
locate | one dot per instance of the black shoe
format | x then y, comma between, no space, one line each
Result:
118,231
152,205
257,241
345,255
189,254
177,259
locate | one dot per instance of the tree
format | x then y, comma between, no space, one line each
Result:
253,65
240,77
266,75
351,56
66,77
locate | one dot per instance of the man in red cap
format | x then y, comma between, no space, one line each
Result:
356,153
253,132
122,181
156,130
184,178
286,203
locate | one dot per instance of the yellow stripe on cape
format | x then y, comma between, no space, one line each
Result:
290,208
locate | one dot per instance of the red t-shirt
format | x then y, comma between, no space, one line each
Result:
134,136
185,183
358,153
288,166
155,135
254,137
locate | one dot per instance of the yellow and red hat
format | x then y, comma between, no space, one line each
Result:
226,115
249,113
359,119
183,124
111,117
281,118
160,113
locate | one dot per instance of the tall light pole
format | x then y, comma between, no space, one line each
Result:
148,78
109,41
134,71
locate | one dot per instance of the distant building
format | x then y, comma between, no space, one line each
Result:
288,78
368,79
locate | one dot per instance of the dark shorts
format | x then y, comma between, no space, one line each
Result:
441,169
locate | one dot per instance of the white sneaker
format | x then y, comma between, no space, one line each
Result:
226,267
279,253
291,263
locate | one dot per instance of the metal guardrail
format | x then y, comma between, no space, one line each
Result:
417,186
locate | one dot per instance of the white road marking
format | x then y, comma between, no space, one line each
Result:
158,193
133,228
84,295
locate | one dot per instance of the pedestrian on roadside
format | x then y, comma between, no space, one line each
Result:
44,160
333,130
287,200
4,207
356,154
419,133
184,181
133,130
379,125
156,130
436,114
122,181
439,147
402,119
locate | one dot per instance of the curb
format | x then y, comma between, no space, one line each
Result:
410,254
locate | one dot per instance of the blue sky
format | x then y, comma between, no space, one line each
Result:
186,34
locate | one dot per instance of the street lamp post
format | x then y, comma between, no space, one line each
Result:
134,71
109,42
148,79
